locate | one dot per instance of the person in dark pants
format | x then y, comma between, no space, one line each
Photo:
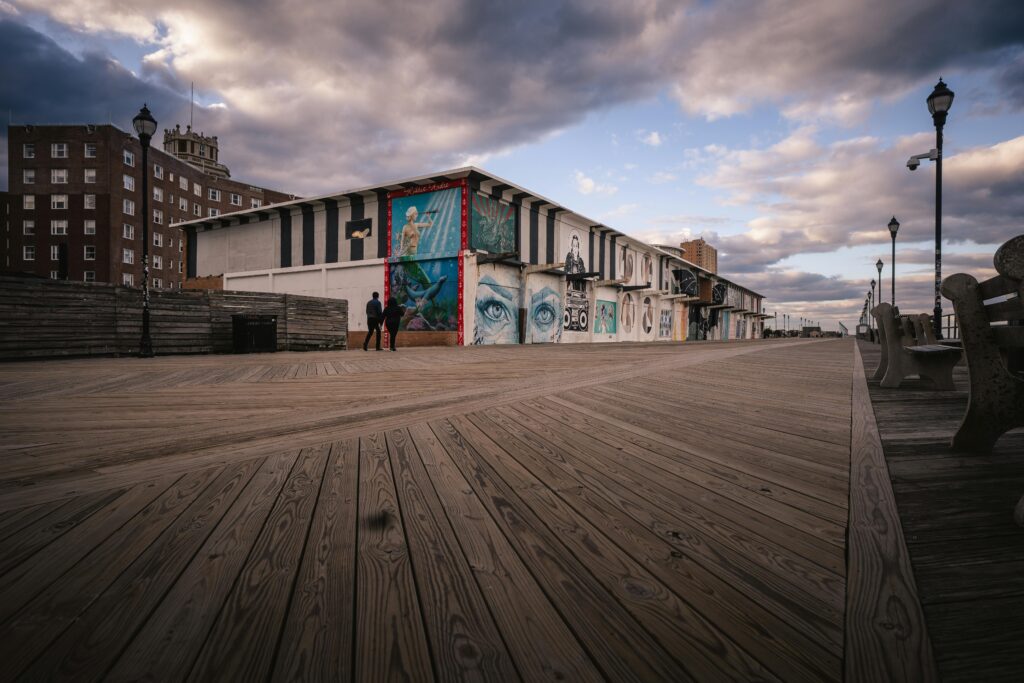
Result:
392,316
374,317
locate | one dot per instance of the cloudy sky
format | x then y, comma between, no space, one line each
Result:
779,130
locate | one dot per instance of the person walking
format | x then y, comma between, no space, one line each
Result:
392,316
374,317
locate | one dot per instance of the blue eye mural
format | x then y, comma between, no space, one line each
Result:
544,316
497,312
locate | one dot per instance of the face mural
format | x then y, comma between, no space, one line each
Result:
543,315
574,263
493,227
625,263
605,318
648,315
497,307
427,224
647,269
665,324
576,315
718,293
429,292
628,313
686,282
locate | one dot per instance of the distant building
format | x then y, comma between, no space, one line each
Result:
701,253
75,203
195,149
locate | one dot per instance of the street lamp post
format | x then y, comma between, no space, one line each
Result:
145,126
878,266
894,226
939,103
873,298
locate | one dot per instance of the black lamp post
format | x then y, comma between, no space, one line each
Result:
894,227
145,126
939,103
878,266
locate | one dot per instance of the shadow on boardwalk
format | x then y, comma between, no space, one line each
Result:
956,510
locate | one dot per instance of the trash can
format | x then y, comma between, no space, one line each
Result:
254,333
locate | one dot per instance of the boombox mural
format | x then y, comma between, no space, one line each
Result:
576,317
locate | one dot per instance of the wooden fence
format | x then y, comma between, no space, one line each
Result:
47,318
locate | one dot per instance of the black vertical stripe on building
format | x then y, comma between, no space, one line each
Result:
356,246
498,191
331,238
549,250
611,260
286,236
190,251
382,223
600,254
590,252
661,272
308,236
534,235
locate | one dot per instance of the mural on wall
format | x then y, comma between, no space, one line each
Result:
718,293
604,318
628,314
493,225
359,230
577,304
626,260
686,282
665,324
429,292
497,308
426,224
647,269
647,315
543,315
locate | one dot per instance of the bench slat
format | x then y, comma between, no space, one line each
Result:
1009,336
1011,309
997,286
932,348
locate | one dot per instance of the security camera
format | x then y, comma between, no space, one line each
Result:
913,163
915,160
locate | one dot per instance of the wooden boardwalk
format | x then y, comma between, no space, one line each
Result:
956,510
601,512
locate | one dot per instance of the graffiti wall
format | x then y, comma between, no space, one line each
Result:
647,316
576,315
492,225
685,282
426,224
544,309
605,317
627,316
665,322
429,291
496,306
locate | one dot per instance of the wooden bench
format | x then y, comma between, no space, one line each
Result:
909,348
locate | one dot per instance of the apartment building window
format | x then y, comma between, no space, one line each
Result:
256,203
129,158
181,246
90,176
183,183
214,212
214,195
28,253
197,210
54,253
54,275
170,242
59,176
58,227
170,264
28,176
129,207
182,203
128,279
197,189
89,252
236,199
158,262
28,202
158,239
59,150
128,256
28,227
129,183
28,151
179,267
158,171
128,231
158,194
90,226
89,276
158,216
58,201
89,201
90,150
158,283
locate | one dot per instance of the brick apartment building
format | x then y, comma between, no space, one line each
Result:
702,254
74,202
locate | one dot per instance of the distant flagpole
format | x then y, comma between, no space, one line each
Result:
192,104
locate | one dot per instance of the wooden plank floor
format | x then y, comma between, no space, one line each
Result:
956,510
600,512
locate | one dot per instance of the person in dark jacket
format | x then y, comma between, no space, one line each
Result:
374,317
392,316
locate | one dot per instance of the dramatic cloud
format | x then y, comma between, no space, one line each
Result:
587,185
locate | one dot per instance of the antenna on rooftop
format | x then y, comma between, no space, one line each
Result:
192,105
